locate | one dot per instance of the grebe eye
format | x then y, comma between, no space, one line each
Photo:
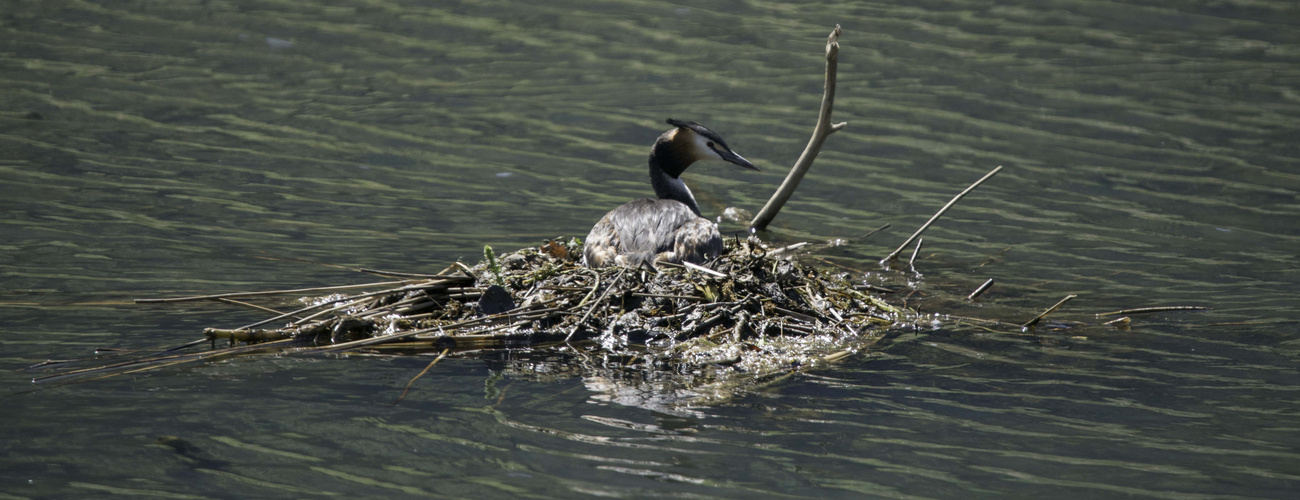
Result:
710,144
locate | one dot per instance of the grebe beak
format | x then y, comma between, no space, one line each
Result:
730,156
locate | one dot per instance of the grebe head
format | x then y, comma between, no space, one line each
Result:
691,142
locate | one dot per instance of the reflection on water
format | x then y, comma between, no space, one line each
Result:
174,148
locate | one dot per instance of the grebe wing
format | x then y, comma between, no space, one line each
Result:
696,242
640,230
602,243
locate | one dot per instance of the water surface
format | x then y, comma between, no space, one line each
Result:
177,148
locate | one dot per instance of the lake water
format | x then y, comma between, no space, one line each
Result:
165,148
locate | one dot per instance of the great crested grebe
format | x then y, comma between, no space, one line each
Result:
669,228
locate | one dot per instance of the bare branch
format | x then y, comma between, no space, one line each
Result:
823,129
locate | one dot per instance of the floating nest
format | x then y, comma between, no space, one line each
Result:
754,309
754,313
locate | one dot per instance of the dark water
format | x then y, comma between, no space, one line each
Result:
173,148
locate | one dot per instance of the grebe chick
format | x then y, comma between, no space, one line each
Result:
669,228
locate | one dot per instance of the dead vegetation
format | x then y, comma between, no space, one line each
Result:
752,314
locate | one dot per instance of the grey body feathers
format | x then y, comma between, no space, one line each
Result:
651,230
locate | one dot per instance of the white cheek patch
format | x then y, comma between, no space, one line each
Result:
701,150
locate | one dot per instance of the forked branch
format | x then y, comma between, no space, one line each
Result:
824,128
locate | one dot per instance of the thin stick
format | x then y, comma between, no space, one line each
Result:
796,315
703,269
153,364
1049,310
936,216
421,285
250,305
323,312
371,311
270,292
417,377
788,248
874,231
980,290
594,287
833,357
415,275
1147,310
666,296
914,252
452,326
154,361
294,313
290,313
186,345
1260,322
593,306
823,129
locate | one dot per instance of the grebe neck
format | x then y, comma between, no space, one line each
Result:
669,187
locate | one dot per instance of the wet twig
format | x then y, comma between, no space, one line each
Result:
421,374
982,288
873,231
1049,310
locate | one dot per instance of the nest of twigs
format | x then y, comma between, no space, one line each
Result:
752,313
741,310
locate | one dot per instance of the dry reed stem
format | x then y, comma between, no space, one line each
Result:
323,312
396,274
598,301
270,292
787,248
1148,310
667,296
1049,310
980,290
873,231
421,374
836,356
704,270
150,363
417,286
398,336
938,214
594,287
249,305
